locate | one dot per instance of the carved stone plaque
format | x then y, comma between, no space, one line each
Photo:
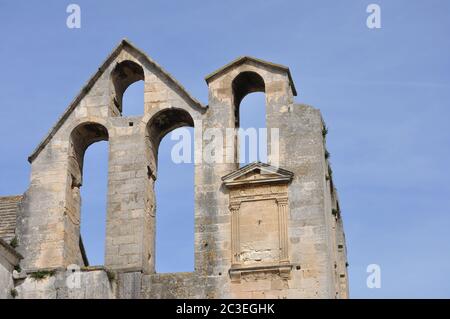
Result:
259,212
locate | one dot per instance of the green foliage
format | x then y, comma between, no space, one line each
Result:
327,154
17,268
14,242
41,274
111,275
13,293
324,130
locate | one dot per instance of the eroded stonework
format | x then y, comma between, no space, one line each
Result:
259,210
266,230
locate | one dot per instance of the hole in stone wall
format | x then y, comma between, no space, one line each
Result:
133,100
250,115
93,204
175,208
252,138
128,82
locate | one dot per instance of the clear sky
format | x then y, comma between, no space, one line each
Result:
384,93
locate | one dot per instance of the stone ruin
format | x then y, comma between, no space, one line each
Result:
261,231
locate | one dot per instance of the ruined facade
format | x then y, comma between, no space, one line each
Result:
261,231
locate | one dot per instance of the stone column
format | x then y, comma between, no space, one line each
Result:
129,241
282,229
235,243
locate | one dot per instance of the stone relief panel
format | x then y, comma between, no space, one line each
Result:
258,229
259,210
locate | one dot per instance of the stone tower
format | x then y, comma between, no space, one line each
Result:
265,230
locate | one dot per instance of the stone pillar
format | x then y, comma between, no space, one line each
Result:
128,239
282,229
41,224
235,243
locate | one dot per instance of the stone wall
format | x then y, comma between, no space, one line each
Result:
9,259
306,245
62,284
6,281
49,224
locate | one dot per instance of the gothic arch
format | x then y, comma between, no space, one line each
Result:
159,125
81,137
123,75
243,84
162,123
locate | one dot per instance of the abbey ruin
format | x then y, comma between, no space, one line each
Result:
264,230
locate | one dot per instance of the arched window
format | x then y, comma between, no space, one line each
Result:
93,203
128,82
253,134
133,99
250,117
172,158
87,213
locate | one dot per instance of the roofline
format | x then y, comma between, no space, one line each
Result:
12,197
242,59
86,88
196,102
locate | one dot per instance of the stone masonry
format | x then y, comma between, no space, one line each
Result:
265,230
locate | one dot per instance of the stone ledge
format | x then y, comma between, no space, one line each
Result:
11,255
283,269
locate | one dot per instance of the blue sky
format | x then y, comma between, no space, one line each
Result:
385,95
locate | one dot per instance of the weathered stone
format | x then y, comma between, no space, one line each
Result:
9,259
262,231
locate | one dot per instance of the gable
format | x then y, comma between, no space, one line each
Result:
256,173
258,62
123,45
